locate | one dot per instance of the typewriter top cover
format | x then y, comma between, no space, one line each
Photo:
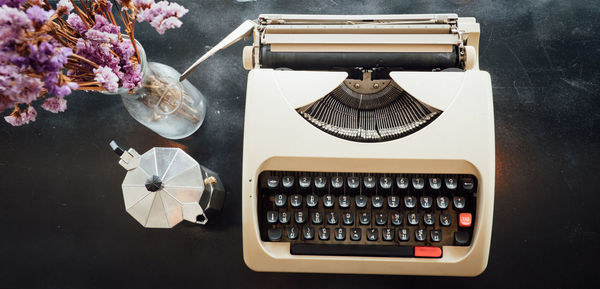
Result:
368,145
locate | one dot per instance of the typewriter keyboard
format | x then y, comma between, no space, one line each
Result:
366,214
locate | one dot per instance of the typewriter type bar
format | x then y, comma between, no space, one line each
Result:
367,214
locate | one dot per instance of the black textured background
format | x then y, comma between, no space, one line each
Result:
63,225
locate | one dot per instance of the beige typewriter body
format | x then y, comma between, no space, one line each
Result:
276,137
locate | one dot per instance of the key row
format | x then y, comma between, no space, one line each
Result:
370,182
360,201
370,234
366,218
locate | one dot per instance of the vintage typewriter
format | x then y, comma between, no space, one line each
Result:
368,145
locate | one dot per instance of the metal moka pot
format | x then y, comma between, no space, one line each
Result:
165,186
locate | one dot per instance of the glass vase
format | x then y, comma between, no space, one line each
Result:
170,108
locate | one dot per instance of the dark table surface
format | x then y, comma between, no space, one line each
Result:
63,224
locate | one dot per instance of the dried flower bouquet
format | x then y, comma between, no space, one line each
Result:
47,53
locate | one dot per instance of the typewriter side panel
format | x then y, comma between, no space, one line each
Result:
461,140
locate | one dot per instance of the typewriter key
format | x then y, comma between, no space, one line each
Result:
344,201
340,234
355,234
404,235
377,201
364,218
372,234
420,235
387,234
361,201
348,218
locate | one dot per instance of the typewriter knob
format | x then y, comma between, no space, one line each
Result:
470,56
248,57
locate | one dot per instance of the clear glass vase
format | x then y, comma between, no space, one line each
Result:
168,107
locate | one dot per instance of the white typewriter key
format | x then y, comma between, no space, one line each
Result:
292,233
300,217
426,202
355,234
317,218
436,235
369,182
344,201
337,182
287,181
459,202
418,183
410,202
428,219
312,200
372,234
280,200
435,183
308,233
332,218
304,182
420,235
361,201
381,219
404,235
385,183
413,219
364,218
377,201
328,200
353,182
340,234
348,218
320,182
272,217
273,182
388,234
451,183
442,202
393,201
284,217
402,183
396,219
324,234
296,201
445,220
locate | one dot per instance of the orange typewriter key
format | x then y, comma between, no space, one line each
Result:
464,220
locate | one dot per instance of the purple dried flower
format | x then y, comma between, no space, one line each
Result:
103,25
38,15
99,53
55,104
142,3
76,22
19,118
12,3
16,87
65,3
12,24
162,15
101,37
107,78
124,49
48,56
132,76
52,85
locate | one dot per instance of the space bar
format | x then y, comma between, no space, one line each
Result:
352,250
